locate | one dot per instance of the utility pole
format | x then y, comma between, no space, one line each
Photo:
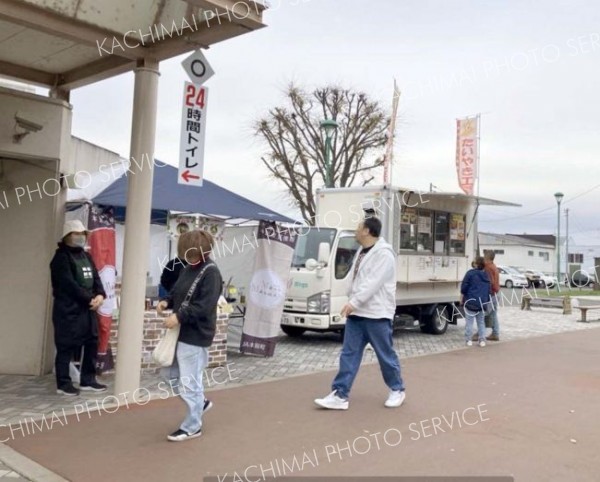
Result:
567,242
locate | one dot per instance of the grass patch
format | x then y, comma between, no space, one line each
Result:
573,292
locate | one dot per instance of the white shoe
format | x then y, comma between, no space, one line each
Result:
469,343
482,343
332,402
395,399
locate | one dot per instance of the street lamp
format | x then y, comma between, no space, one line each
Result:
558,196
329,126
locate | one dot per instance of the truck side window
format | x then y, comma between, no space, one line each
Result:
344,256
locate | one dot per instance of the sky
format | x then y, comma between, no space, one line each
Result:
530,68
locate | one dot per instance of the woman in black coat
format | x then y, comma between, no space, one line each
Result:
78,293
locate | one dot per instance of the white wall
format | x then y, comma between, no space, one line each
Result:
31,212
27,243
518,256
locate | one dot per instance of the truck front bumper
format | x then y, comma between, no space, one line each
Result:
313,321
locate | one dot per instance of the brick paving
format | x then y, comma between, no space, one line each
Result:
23,399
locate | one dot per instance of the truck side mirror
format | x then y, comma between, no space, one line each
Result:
324,253
311,264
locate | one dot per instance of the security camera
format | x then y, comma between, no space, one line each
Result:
28,125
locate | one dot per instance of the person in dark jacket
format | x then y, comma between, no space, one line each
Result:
170,274
78,293
197,319
475,290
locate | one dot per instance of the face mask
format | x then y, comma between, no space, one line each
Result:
78,240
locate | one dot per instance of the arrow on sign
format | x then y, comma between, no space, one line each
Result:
187,175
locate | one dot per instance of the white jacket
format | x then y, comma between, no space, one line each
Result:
373,291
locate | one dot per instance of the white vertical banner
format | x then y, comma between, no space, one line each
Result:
268,285
193,131
389,148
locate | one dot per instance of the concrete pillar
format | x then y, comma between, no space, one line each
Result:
137,232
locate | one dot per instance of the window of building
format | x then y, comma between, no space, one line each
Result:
529,253
544,255
499,251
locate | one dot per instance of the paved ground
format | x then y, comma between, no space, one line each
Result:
525,408
23,399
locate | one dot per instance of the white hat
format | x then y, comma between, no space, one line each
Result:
73,226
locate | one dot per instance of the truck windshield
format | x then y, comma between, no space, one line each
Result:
308,242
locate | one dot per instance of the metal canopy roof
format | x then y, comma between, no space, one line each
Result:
63,44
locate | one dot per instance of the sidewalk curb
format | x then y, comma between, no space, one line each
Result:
26,467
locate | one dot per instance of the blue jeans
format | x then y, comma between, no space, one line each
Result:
187,369
470,317
358,332
494,316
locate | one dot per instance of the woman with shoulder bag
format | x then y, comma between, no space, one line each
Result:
193,300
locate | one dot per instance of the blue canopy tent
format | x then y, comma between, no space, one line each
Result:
168,195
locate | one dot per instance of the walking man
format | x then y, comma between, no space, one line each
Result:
369,313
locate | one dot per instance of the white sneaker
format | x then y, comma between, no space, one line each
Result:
482,343
469,343
332,402
395,399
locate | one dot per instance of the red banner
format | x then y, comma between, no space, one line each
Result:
466,153
102,242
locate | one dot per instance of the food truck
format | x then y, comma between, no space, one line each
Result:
434,236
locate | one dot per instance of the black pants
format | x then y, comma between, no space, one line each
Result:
64,355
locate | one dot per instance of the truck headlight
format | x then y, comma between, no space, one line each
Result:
318,303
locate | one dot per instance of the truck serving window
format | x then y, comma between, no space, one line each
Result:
408,229
344,256
308,242
442,233
457,234
424,230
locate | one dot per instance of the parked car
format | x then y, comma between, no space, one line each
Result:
533,278
550,281
579,279
510,277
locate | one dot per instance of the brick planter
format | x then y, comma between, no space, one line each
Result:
154,331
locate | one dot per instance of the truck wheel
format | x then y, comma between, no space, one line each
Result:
292,331
437,323
508,284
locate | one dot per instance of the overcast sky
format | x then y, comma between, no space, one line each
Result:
531,68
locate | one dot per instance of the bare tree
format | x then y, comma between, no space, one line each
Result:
297,146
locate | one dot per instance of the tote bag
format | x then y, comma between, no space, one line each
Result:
164,353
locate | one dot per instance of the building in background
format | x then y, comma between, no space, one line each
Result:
535,251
